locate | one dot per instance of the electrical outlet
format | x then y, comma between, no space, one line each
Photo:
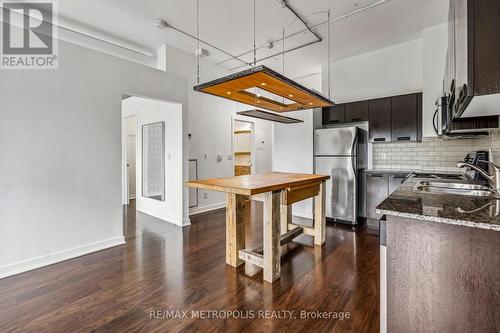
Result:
205,195
383,156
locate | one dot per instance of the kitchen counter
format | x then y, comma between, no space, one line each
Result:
475,212
390,172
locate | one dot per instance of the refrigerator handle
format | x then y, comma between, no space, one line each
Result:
353,154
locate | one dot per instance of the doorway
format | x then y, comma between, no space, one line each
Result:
152,158
131,155
243,142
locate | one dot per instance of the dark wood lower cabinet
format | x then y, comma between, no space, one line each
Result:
442,277
377,190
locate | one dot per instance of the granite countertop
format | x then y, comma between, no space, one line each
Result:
475,212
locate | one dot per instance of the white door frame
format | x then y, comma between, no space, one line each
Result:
252,124
125,182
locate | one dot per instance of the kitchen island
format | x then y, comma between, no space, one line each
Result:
442,268
278,191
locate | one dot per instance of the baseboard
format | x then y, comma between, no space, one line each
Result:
165,217
204,209
53,258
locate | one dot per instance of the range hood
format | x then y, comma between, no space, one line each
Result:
238,87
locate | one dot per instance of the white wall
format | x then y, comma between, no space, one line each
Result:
413,66
293,145
149,111
263,146
60,145
209,121
389,71
435,43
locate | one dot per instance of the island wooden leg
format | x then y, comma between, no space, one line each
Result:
319,216
286,212
235,228
272,249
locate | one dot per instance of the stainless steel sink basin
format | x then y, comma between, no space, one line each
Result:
441,176
461,188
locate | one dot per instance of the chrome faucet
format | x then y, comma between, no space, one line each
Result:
493,179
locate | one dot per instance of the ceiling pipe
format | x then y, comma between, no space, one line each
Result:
315,27
285,4
162,24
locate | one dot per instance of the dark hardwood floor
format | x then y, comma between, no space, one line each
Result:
163,267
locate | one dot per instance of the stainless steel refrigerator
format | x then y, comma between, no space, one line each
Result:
341,153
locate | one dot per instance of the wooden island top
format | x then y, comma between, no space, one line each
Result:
256,184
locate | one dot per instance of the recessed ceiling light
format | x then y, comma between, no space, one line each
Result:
258,101
263,84
310,103
291,95
229,93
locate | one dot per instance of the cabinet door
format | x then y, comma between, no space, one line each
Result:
379,117
377,190
404,118
334,114
356,111
395,181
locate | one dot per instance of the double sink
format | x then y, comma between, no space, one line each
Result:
451,184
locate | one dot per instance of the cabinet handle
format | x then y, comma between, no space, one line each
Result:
333,121
379,139
404,138
463,93
377,176
357,119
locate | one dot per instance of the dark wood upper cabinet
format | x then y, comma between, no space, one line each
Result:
473,53
356,111
334,114
406,116
397,118
379,120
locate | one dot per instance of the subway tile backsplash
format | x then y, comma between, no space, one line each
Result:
432,154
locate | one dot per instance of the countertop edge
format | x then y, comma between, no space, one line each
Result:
436,219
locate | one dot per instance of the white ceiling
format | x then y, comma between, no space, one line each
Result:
228,24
